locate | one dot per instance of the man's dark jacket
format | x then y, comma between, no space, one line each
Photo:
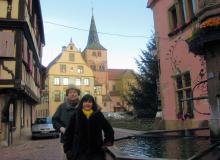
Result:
62,116
84,136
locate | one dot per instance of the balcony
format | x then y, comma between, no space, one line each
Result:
207,32
203,39
207,9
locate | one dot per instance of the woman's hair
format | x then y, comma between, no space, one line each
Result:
86,98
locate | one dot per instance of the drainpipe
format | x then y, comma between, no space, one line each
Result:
214,121
213,71
11,118
218,102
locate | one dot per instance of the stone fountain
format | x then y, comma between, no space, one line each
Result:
200,143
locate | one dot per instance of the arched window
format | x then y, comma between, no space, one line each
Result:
93,67
102,68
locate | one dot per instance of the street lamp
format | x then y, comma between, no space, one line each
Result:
107,98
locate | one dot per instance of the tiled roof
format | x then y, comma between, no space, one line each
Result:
114,93
97,83
114,74
150,3
71,44
53,61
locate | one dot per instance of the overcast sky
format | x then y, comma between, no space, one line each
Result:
120,19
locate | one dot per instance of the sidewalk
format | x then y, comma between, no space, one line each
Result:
44,149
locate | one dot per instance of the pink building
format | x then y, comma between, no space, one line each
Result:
181,71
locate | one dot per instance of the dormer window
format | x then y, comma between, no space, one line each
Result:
80,69
71,57
63,68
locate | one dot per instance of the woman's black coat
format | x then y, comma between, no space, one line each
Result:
84,136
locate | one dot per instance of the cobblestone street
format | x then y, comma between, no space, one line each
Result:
43,149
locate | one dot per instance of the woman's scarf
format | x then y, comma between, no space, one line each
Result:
87,113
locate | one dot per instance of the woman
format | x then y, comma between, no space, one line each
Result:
83,137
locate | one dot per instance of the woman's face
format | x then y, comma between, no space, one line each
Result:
87,105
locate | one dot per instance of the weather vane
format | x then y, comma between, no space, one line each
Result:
92,6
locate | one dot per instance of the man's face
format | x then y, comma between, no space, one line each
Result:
72,95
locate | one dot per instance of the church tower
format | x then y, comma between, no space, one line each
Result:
95,56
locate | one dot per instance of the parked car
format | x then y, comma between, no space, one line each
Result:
43,127
116,115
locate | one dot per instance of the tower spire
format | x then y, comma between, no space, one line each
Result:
93,39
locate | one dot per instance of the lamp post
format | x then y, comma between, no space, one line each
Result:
107,99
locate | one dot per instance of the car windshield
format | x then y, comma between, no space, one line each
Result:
43,121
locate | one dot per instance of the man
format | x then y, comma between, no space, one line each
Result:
65,110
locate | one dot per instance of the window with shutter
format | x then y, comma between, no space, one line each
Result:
86,81
30,6
63,68
57,96
80,69
38,77
173,17
30,61
1,107
184,93
25,51
78,81
7,44
65,81
56,81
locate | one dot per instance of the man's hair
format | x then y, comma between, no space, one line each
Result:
72,88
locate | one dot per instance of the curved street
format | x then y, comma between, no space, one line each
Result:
43,149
